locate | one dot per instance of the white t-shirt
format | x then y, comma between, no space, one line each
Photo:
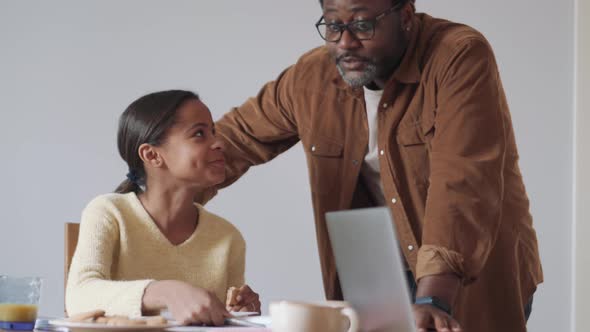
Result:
370,169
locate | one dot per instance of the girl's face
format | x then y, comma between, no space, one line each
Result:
191,152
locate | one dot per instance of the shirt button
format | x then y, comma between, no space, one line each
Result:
355,162
393,200
385,105
410,247
313,148
381,152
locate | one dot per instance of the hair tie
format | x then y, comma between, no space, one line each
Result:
132,177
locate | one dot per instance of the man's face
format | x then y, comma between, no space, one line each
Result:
362,62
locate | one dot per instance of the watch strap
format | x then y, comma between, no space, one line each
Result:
435,302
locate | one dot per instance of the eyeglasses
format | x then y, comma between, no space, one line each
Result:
361,29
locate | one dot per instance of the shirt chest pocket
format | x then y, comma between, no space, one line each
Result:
414,148
324,159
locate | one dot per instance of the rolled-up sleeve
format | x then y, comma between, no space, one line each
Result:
463,206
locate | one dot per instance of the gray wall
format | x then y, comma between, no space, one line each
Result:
582,164
68,69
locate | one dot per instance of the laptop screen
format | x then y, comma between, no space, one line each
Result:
370,268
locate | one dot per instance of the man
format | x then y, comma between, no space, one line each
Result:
407,111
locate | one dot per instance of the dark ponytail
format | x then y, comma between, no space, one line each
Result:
127,187
146,120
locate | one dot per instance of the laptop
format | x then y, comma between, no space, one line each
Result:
370,267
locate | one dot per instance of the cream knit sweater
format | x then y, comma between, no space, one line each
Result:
121,250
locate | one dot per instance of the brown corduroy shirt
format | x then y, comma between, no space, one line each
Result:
449,164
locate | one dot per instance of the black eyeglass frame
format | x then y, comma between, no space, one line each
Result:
351,25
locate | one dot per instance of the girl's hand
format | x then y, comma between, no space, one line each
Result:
246,300
187,304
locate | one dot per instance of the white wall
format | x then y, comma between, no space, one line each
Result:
582,177
69,68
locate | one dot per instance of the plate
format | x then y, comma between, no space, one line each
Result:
244,313
94,327
166,314
261,320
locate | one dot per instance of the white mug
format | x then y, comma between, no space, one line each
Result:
331,316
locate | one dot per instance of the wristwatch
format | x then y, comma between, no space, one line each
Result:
435,302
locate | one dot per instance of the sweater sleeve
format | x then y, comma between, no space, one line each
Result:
237,262
89,285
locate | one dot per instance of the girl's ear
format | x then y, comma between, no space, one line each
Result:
150,156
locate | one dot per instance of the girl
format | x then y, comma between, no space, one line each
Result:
148,247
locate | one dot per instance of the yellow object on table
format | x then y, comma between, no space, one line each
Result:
17,312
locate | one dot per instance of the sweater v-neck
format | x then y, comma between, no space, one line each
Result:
145,217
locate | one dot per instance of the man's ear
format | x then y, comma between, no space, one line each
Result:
407,14
150,156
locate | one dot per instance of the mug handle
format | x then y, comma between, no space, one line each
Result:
352,317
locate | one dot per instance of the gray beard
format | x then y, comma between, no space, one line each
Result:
366,77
